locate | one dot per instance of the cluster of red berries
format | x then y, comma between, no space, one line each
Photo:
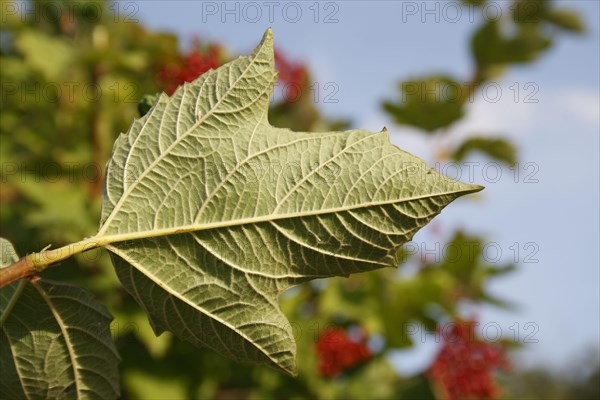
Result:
293,76
338,351
191,66
464,366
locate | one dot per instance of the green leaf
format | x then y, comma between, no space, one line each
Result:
497,148
55,341
529,11
567,20
210,212
145,103
491,48
537,11
430,103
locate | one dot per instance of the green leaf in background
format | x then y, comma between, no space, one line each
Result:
529,11
567,20
496,148
145,103
430,103
210,212
521,39
56,341
491,48
537,11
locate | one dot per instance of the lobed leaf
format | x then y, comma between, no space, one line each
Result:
210,212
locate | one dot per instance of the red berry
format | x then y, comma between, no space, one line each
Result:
338,352
190,67
463,368
293,76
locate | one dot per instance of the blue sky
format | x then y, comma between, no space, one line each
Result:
366,47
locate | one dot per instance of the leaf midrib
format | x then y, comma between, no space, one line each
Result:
64,330
104,240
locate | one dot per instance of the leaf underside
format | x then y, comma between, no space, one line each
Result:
55,343
210,212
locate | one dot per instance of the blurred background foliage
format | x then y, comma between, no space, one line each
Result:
70,85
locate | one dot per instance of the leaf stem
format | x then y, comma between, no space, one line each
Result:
12,302
37,262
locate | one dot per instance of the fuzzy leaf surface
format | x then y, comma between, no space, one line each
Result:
210,212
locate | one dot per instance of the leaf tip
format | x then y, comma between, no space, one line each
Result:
265,50
476,188
267,39
471,188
